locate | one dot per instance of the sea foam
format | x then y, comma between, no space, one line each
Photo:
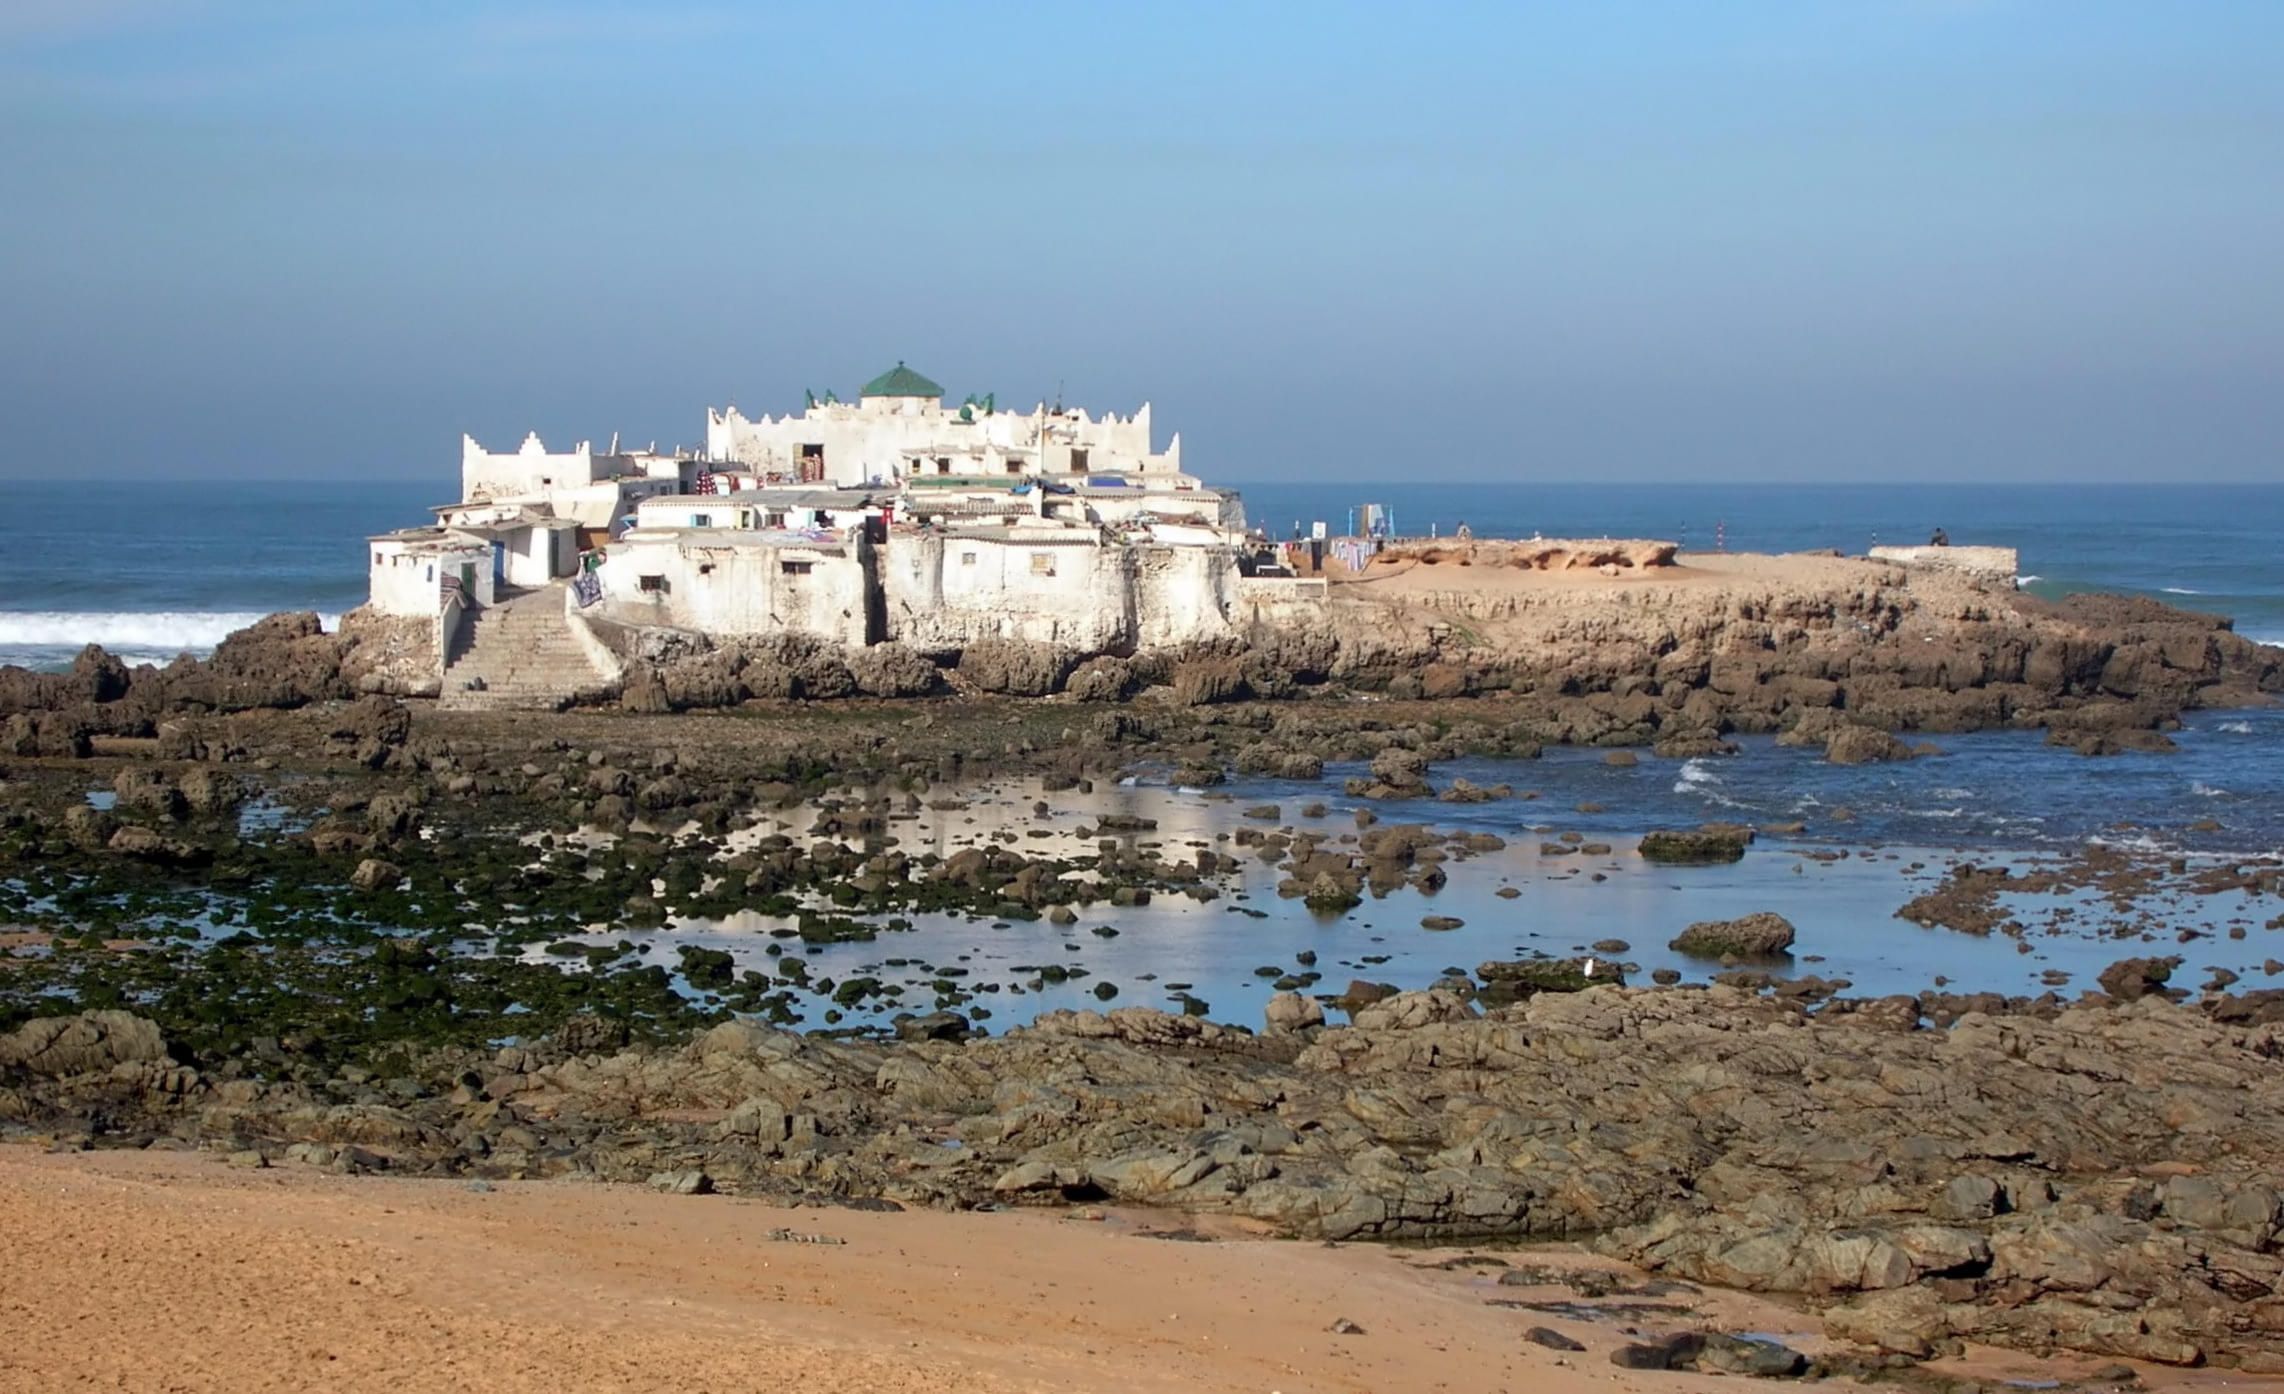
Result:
140,631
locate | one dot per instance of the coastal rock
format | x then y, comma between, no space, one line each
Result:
893,670
1289,1012
1861,745
210,793
283,660
88,1043
372,874
2131,979
1101,680
1201,682
147,792
1763,934
1015,667
1694,848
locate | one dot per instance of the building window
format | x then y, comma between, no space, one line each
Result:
775,519
701,520
1014,466
943,465
967,558
651,585
1078,462
1042,563
796,568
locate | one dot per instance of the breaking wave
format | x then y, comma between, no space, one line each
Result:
2179,590
124,632
1695,777
2236,728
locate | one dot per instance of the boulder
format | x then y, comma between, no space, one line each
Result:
88,1043
1288,1012
1408,1011
1763,934
2131,979
892,670
1015,667
1861,745
1101,680
1200,682
209,793
373,874
1694,848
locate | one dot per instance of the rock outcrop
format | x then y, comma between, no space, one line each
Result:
2103,1178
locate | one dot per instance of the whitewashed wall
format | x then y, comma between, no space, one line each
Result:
737,587
408,581
944,591
867,442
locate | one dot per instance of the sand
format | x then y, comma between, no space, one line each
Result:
171,1271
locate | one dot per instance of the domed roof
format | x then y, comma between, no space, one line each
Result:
901,381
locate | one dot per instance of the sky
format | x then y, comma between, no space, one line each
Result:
1627,240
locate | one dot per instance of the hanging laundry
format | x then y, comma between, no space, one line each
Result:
587,588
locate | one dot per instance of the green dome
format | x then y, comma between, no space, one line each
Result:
901,381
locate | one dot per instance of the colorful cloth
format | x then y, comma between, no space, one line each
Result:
587,589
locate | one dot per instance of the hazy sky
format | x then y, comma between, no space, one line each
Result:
1606,239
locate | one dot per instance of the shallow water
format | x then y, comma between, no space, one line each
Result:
1840,881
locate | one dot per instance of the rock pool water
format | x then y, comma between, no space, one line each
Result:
1872,838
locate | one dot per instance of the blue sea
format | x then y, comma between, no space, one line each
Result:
194,561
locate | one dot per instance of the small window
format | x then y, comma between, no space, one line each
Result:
774,519
701,520
651,585
796,568
943,464
431,572
1042,563
967,558
705,568
1015,467
1078,462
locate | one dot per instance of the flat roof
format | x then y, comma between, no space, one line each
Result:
772,538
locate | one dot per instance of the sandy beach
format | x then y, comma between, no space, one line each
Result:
172,1271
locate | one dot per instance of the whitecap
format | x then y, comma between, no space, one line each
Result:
2179,590
149,634
2236,728
1695,777
2208,790
2028,580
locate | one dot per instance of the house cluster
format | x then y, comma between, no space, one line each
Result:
896,517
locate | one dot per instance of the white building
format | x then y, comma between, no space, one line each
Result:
532,471
890,519
899,428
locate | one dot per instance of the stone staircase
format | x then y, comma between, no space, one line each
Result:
520,655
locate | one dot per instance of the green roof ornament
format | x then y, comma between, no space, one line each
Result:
901,381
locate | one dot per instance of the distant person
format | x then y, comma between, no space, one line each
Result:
1940,539
1464,533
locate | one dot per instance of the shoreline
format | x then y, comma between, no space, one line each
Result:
200,1276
